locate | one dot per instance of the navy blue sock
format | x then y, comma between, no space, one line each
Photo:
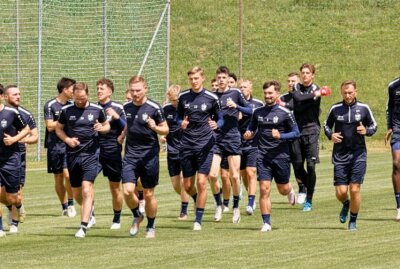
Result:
217,198
226,202
236,200
70,202
117,216
199,214
150,222
194,197
184,207
140,195
1,223
136,213
14,222
397,196
251,200
353,217
266,218
64,206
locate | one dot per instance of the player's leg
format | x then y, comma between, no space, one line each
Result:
265,204
355,202
234,168
341,183
281,174
151,211
396,176
214,185
226,184
117,201
61,192
311,148
70,197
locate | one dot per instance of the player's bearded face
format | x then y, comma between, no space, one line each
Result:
80,98
270,95
138,92
13,97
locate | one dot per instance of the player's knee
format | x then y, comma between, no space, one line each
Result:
396,166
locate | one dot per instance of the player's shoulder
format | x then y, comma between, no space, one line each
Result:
167,106
283,109
95,106
184,93
235,90
362,104
153,103
11,110
50,102
210,95
117,105
257,101
67,106
24,111
394,84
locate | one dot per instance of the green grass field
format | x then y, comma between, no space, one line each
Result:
298,240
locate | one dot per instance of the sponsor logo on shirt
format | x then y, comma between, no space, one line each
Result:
128,115
260,118
340,117
72,117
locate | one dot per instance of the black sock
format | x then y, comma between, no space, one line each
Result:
70,202
117,216
150,222
353,217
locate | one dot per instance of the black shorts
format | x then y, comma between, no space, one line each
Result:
249,158
174,165
352,172
306,147
56,161
82,167
23,168
278,169
196,161
10,169
146,168
112,167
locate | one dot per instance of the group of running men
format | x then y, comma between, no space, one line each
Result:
224,131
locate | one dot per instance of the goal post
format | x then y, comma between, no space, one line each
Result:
45,40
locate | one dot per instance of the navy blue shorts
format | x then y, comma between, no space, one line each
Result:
174,165
82,167
56,161
278,169
10,169
249,158
229,144
146,168
196,161
112,168
395,146
23,168
352,172
306,147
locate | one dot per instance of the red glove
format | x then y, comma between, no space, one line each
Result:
278,101
325,91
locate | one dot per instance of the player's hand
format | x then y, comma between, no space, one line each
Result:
276,134
111,112
121,138
151,123
325,91
213,124
185,123
388,135
163,139
98,126
361,129
231,104
337,138
248,135
72,142
8,140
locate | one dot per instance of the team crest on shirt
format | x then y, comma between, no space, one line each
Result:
90,117
357,116
4,123
275,119
229,100
145,117
204,107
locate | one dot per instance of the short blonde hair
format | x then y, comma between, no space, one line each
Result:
173,91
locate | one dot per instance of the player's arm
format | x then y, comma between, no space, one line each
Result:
161,128
50,125
9,140
370,124
32,137
253,125
292,133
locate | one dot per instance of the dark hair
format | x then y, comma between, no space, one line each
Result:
348,82
64,83
275,83
311,67
222,70
81,86
1,88
232,75
213,80
106,81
